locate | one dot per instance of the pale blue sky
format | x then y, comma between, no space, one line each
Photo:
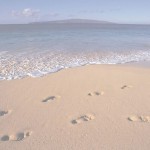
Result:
122,11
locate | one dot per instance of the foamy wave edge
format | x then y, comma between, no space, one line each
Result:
77,62
40,73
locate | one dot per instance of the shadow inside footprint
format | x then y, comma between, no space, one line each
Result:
22,135
74,122
49,99
2,113
90,94
5,138
96,93
126,86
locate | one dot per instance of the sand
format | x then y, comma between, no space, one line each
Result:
96,107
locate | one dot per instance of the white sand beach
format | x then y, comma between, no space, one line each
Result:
96,107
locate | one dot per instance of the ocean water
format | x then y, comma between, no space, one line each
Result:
39,49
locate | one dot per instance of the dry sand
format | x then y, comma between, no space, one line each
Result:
97,107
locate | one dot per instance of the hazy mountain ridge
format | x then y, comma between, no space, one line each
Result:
74,21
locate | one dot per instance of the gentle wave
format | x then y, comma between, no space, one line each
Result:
41,64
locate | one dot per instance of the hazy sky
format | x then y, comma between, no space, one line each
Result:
122,11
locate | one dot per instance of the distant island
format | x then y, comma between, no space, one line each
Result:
73,21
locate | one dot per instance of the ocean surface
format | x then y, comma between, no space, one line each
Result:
39,49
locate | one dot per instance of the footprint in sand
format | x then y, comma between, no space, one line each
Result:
3,112
136,118
126,86
18,137
83,118
96,93
50,98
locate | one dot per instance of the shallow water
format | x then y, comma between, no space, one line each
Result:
38,49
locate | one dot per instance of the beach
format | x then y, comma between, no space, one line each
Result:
93,107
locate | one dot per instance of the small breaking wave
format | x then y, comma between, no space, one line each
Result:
41,64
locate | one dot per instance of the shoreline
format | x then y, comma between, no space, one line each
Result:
143,64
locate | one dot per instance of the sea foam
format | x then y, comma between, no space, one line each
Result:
17,67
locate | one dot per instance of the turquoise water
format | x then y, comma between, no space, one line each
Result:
38,49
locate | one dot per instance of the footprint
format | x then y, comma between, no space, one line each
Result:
22,135
18,137
83,118
3,112
136,118
126,86
96,93
50,98
6,138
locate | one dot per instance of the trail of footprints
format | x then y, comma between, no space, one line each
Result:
18,137
21,135
84,118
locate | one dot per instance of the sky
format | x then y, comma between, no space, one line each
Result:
118,11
